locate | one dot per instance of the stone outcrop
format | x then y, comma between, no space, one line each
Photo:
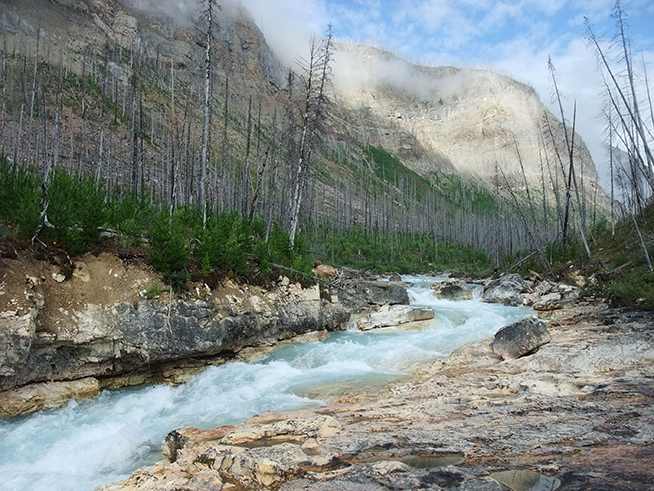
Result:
506,290
520,338
453,290
393,316
37,397
571,413
70,339
362,295
542,295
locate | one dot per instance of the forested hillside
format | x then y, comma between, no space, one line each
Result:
190,110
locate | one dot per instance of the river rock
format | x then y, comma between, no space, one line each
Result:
453,290
575,412
396,315
550,301
50,395
520,338
362,295
506,290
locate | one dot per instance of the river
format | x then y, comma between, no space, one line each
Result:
97,441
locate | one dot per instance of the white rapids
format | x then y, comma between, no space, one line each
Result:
85,444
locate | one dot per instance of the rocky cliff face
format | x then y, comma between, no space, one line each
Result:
475,123
97,329
472,123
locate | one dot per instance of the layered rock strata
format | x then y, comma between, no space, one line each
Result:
73,338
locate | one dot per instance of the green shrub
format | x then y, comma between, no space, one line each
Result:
168,252
75,210
20,198
634,284
224,243
152,292
132,216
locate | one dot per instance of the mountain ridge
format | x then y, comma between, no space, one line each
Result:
124,86
468,120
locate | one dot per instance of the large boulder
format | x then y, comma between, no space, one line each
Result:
506,290
394,316
453,290
361,295
520,338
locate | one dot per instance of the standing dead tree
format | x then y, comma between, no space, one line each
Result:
571,176
315,77
624,98
209,12
632,133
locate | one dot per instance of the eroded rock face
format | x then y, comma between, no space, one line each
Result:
468,422
36,397
85,328
520,338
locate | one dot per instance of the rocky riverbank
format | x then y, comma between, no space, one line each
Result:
71,330
574,414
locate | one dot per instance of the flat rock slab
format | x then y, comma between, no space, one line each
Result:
520,338
468,421
395,315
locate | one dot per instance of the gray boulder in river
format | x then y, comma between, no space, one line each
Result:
520,338
453,290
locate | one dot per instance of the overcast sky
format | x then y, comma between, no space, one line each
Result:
512,37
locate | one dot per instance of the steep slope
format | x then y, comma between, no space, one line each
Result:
475,123
114,89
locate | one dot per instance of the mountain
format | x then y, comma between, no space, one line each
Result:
474,123
114,90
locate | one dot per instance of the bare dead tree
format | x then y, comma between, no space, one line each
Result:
209,12
571,177
315,76
626,97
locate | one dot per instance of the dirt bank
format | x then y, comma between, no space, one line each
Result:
72,328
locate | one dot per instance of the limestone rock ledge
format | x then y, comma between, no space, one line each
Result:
578,413
97,330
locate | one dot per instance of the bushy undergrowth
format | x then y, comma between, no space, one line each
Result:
76,212
617,264
178,244
20,195
397,252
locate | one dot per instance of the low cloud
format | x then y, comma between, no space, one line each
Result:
288,25
514,38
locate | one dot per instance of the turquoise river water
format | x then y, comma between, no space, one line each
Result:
97,441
